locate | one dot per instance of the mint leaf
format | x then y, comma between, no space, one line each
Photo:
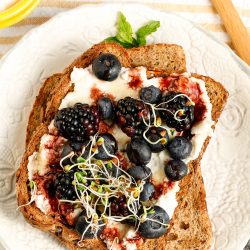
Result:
124,28
125,45
146,30
111,39
125,37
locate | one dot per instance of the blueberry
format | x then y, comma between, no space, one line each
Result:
138,151
147,192
81,225
140,173
175,170
106,108
80,149
150,94
67,149
110,144
86,150
154,134
106,67
77,146
179,147
151,229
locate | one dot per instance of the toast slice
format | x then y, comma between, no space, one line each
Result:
190,226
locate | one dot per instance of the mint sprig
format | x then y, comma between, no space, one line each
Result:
124,29
146,30
125,36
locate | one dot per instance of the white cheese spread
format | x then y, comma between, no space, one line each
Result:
38,161
202,129
168,201
129,235
42,203
125,232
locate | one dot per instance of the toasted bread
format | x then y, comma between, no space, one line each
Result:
190,226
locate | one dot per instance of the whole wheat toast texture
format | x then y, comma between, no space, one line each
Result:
190,226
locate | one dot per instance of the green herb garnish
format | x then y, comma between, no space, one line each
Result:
125,36
146,30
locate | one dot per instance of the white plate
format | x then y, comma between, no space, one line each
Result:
52,46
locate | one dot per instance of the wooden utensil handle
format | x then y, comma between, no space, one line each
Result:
235,28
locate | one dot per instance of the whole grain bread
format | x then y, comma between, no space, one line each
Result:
167,57
190,226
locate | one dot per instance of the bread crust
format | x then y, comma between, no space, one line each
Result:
184,232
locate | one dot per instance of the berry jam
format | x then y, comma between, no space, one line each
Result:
46,188
110,233
191,89
200,110
166,83
135,81
124,163
163,188
96,94
65,210
105,128
53,145
135,240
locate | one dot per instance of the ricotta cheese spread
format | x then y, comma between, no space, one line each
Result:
38,161
84,82
42,203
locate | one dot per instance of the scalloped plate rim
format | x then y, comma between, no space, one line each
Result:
245,68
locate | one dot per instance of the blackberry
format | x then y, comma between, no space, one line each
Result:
64,187
130,113
179,113
119,206
77,123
